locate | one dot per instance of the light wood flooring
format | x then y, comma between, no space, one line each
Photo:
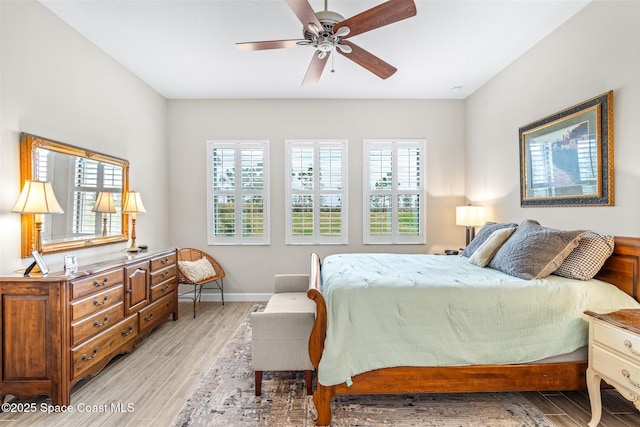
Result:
162,372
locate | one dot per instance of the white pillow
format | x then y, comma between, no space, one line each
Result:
197,271
485,252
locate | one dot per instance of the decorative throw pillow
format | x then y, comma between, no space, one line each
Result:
534,251
488,249
484,233
584,262
197,270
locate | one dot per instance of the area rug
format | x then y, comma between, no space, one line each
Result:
226,397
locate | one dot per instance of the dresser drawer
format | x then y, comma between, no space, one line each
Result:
161,262
617,339
160,276
163,289
157,312
99,322
97,302
103,346
96,283
617,369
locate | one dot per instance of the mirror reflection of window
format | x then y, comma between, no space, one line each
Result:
87,178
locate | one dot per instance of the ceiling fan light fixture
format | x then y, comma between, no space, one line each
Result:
344,48
342,31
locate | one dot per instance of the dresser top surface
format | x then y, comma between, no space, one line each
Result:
97,264
628,319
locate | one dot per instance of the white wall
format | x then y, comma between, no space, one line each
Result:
56,84
596,51
250,269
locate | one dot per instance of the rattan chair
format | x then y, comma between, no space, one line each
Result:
190,254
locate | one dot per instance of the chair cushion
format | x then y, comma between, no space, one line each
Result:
197,271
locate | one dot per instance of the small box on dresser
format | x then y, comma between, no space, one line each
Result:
614,356
59,329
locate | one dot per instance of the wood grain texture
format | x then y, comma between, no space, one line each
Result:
621,269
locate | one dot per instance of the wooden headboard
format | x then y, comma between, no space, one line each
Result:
623,267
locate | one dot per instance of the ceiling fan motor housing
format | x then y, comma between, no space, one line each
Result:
328,19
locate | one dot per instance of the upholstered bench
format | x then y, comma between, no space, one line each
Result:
280,333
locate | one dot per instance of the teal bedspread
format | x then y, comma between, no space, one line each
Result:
388,310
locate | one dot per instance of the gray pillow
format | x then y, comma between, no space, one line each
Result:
484,233
534,251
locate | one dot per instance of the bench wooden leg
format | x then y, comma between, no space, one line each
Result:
258,383
308,382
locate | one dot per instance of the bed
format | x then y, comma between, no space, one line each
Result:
567,372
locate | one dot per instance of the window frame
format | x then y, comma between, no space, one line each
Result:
316,192
395,237
238,193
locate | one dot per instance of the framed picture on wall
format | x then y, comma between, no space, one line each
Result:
566,159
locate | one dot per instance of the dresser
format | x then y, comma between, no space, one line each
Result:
614,356
59,329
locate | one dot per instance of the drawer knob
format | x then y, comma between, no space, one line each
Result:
104,300
127,332
627,375
628,344
85,357
149,317
104,322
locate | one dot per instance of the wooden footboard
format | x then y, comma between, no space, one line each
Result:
622,269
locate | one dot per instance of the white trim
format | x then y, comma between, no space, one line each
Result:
394,237
238,145
215,297
316,192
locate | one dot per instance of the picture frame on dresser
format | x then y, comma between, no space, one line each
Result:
70,264
37,260
566,159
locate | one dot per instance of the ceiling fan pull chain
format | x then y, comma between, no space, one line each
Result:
332,69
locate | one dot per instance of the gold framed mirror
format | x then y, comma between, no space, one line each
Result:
78,178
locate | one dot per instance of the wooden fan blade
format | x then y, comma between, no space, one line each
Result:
379,16
367,60
315,69
304,12
271,44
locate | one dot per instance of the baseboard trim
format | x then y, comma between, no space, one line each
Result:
215,297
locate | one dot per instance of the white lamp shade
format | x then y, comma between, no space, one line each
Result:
104,203
470,216
133,203
37,197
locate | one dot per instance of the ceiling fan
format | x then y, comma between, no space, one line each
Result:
327,31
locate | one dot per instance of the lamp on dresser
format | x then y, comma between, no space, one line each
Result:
132,206
37,198
470,217
105,205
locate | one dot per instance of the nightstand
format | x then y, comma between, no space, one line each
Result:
614,356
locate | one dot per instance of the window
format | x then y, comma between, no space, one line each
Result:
394,191
316,192
237,192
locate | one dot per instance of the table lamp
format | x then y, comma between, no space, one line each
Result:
105,205
132,206
470,217
38,198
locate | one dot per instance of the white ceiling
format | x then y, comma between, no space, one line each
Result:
186,48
